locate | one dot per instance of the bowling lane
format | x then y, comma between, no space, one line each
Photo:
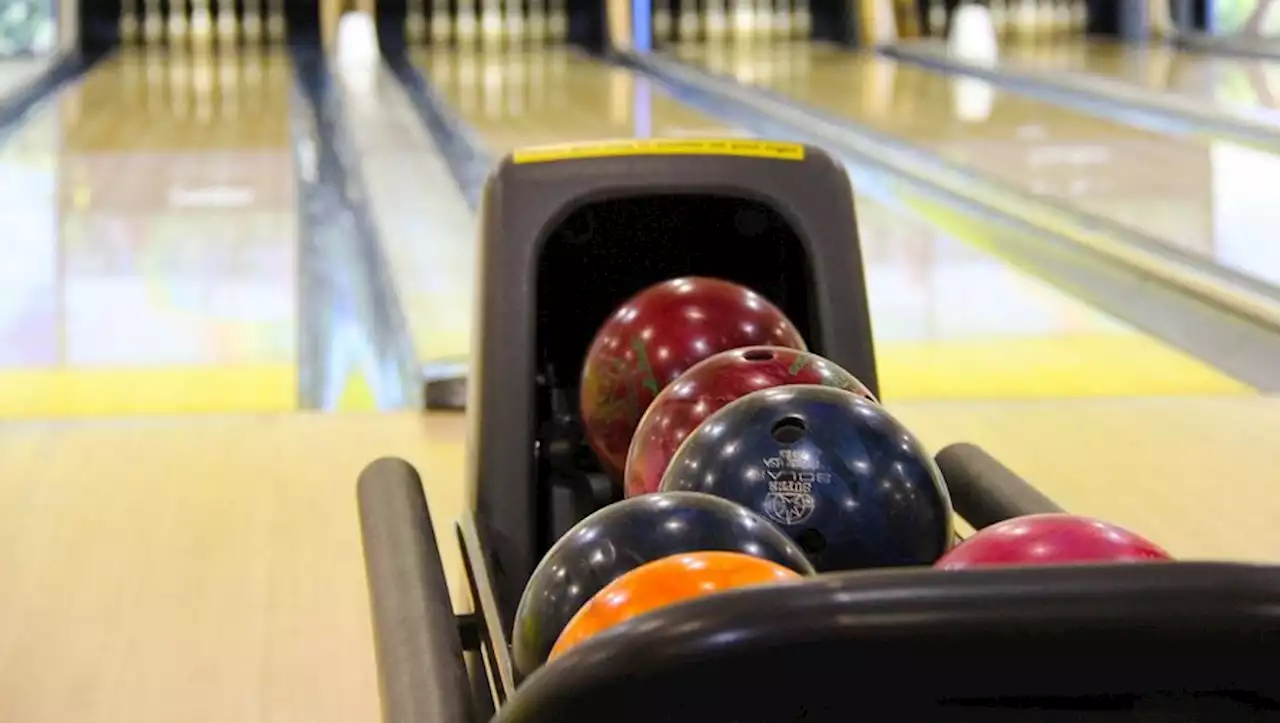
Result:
1243,86
153,269
951,321
1198,194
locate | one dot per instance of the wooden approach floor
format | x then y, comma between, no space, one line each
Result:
209,570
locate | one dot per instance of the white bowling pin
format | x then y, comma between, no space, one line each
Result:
177,23
782,19
251,23
515,25
1079,16
687,27
973,36
1044,17
275,21
937,17
490,22
415,22
225,22
129,25
715,20
441,23
465,22
1024,18
661,20
152,22
557,21
201,24
801,20
536,23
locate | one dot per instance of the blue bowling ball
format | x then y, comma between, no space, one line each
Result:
839,474
624,536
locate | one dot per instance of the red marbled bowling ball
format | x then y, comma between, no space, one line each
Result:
653,338
709,385
1051,539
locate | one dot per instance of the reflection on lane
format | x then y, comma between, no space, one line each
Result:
556,95
950,321
1244,86
163,237
1166,187
954,322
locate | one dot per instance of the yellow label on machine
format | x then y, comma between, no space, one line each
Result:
741,147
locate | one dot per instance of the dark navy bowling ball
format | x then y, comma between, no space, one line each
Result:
839,474
624,536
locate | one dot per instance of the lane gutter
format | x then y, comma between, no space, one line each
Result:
469,163
350,318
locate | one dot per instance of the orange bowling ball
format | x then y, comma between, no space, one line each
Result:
665,582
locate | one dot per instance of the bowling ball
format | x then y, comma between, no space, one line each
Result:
666,582
623,536
653,338
1050,539
837,473
709,385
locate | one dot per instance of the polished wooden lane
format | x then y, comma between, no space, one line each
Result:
1174,188
1245,86
427,230
951,321
157,268
209,570
201,570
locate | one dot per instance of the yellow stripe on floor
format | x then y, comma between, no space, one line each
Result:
162,390
1061,367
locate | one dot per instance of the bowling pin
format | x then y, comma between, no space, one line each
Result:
973,35
225,22
177,29
441,22
536,23
129,26
1079,16
465,23
415,22
275,21
716,20
515,29
152,24
1000,16
688,25
557,21
490,22
937,18
744,19
783,10
764,19
1044,18
252,21
201,24
662,25
802,21
1024,18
